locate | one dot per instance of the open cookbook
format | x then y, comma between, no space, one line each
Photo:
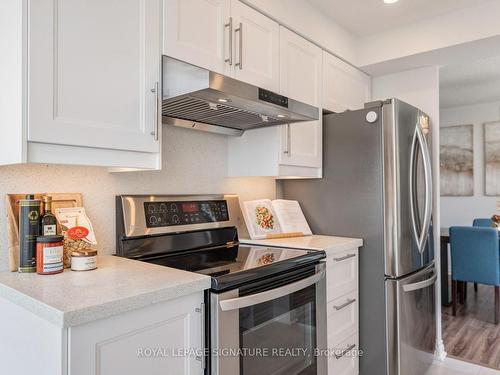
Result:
273,219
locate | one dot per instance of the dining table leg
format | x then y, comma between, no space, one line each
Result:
445,282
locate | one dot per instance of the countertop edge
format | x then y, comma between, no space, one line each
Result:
109,309
348,242
65,319
34,306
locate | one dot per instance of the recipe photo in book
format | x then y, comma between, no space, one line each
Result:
266,218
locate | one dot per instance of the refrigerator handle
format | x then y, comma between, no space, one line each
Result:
421,284
413,162
428,187
419,141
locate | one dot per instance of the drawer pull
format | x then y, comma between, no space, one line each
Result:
344,257
345,351
344,305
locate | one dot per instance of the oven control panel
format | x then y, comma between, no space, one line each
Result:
170,213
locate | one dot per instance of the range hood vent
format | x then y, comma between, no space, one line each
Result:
200,99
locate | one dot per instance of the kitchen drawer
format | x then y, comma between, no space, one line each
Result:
341,274
342,318
343,358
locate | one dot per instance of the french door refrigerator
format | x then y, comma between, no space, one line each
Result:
377,185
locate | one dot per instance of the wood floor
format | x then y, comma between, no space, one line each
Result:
471,334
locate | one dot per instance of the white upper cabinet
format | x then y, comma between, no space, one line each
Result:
198,31
300,79
288,150
94,72
300,68
344,87
255,47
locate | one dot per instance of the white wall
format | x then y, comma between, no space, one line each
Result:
454,28
301,17
462,210
418,87
193,162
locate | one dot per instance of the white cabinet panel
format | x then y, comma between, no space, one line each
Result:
195,31
300,68
126,344
302,144
300,79
344,87
342,317
341,274
344,361
92,66
255,47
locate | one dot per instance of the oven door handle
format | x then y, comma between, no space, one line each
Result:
268,295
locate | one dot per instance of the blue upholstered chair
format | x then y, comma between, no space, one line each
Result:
485,223
475,257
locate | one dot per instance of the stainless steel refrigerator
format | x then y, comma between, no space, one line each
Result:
377,185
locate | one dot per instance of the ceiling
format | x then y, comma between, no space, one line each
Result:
470,83
367,17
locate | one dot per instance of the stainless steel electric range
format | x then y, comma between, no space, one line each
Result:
265,311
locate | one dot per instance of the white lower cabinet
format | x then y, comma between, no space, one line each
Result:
162,338
342,273
342,311
151,341
344,360
342,316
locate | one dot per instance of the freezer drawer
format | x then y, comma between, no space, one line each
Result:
411,323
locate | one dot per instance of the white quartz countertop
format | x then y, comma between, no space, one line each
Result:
118,285
314,242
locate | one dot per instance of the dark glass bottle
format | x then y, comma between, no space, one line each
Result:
49,221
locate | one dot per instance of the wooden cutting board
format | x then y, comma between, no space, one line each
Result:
59,200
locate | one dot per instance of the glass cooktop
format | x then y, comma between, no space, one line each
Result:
240,263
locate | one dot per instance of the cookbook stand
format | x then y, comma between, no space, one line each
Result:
284,235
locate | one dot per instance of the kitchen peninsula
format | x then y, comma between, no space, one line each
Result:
76,319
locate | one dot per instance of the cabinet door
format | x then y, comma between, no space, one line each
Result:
255,47
300,79
197,31
145,341
344,87
93,67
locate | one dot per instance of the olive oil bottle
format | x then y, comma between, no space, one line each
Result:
29,229
48,224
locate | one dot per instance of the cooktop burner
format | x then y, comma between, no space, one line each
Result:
230,266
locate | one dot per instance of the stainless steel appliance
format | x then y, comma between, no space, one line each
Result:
377,185
265,311
197,98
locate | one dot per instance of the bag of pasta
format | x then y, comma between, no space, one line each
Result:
77,230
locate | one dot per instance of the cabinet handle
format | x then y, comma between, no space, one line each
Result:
345,351
344,257
344,305
202,358
239,30
288,140
230,25
155,91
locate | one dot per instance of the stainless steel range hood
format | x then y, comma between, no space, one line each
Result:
200,99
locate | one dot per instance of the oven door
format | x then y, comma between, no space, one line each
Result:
273,326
